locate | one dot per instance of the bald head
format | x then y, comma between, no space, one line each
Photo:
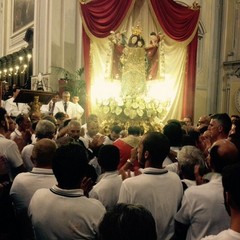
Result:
223,153
74,129
43,153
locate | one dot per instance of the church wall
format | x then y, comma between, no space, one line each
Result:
208,59
230,57
58,37
219,44
65,46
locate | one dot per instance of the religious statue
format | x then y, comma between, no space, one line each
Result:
133,62
35,107
153,56
119,41
134,66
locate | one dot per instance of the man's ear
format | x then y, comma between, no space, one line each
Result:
3,123
220,128
146,155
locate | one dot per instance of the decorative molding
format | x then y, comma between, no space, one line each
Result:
232,68
237,100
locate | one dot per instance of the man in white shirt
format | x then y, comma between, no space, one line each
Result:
156,189
65,106
109,182
63,212
26,184
14,109
79,109
44,129
202,211
9,148
49,108
231,186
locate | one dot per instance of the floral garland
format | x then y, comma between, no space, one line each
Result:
147,113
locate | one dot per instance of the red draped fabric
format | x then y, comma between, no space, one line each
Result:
101,17
177,21
190,81
86,51
180,23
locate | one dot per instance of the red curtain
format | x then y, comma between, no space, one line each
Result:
103,16
178,22
190,80
86,52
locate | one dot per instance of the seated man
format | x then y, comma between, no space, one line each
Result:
63,212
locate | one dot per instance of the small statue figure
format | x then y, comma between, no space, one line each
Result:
153,56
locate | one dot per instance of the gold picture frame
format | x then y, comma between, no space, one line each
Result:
23,15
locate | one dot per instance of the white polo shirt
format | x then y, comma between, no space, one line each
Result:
204,210
224,235
64,214
10,151
26,156
26,184
107,188
158,190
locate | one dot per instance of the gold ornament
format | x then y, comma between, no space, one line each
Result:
137,30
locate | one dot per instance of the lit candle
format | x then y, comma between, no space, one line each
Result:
29,56
20,59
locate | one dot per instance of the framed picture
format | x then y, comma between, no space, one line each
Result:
23,14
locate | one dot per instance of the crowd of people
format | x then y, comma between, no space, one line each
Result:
61,179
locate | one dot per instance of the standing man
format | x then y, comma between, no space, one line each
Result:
126,144
231,186
202,210
65,106
14,109
79,109
219,127
63,212
156,189
26,184
9,148
49,108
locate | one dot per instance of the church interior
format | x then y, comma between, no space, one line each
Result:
55,40
119,119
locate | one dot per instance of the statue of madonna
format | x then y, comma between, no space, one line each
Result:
134,67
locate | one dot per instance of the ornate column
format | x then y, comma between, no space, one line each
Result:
232,83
